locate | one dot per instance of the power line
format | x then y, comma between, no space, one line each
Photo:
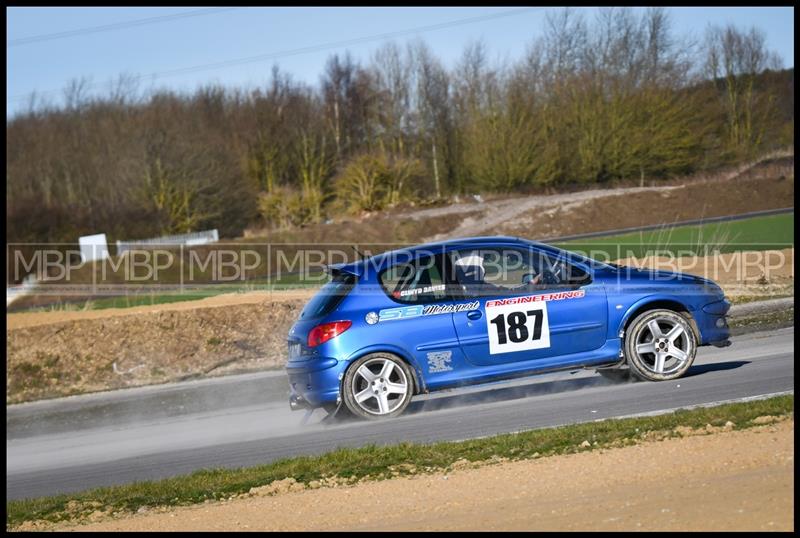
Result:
113,26
302,50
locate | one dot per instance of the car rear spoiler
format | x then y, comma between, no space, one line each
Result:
339,268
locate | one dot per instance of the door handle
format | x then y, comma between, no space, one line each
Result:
474,314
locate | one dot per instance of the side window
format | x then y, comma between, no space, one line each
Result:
571,275
417,281
511,271
329,297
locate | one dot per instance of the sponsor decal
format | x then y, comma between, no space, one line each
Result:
405,312
555,296
433,309
439,361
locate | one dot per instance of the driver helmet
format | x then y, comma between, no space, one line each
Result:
471,267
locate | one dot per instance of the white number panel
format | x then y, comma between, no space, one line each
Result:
517,327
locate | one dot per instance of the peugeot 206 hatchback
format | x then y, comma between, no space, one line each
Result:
470,311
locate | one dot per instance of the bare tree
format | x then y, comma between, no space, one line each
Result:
620,96
733,59
392,73
76,93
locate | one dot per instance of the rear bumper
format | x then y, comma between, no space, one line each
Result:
314,382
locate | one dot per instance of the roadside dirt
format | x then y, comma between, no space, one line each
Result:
610,210
514,213
31,319
724,481
89,355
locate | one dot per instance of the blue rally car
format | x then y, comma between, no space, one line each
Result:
476,310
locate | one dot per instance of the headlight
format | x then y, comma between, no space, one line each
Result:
717,308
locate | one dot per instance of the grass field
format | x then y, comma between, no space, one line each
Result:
758,233
382,462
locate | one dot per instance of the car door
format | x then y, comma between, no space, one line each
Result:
530,305
420,320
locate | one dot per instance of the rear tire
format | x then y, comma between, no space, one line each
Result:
660,345
377,386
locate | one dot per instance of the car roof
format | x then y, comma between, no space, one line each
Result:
377,260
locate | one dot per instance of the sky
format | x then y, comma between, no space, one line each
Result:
48,47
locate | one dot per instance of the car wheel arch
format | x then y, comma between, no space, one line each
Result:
656,303
417,380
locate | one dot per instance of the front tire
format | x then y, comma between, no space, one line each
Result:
378,386
660,345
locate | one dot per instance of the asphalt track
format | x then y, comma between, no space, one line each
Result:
74,444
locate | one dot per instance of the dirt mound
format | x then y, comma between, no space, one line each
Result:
515,212
85,355
31,319
615,209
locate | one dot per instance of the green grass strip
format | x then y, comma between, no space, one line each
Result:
379,462
773,232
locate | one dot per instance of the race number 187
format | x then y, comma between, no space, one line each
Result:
517,327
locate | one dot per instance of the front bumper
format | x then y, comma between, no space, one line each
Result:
314,382
712,322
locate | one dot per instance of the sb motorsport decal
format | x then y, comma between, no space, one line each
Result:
406,312
431,310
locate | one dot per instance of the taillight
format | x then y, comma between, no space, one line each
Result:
322,333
